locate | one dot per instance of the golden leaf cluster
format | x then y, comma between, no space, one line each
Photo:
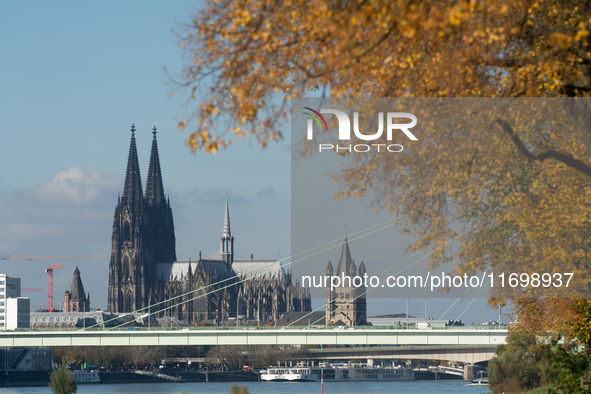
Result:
517,214
524,212
568,318
246,55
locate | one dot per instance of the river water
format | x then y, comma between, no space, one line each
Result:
423,387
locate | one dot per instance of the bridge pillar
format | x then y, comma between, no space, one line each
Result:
468,372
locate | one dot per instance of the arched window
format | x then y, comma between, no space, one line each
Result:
126,232
125,265
127,302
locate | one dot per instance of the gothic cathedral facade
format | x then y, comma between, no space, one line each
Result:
144,274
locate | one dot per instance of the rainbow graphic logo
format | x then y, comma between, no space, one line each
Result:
315,117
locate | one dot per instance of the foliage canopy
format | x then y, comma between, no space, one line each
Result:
519,364
570,370
235,389
240,54
61,382
523,189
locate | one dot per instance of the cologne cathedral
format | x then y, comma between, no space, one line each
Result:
144,271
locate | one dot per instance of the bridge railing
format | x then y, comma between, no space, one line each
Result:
245,328
344,349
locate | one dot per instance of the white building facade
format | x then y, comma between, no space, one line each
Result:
18,311
14,309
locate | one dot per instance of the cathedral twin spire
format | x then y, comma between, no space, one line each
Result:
154,188
132,192
143,234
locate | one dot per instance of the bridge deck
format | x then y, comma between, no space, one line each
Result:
465,354
254,337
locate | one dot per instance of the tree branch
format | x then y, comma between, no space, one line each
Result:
377,43
504,62
565,158
572,90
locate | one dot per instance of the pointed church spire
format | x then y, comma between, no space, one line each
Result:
75,300
132,191
154,188
346,261
362,269
77,289
227,233
226,240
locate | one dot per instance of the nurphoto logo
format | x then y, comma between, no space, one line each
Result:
345,130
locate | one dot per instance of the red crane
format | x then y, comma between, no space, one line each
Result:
50,285
50,269
29,289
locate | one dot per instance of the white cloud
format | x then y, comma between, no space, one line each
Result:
77,185
269,191
71,214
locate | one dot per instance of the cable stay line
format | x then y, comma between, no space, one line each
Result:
365,292
364,233
245,279
474,299
452,305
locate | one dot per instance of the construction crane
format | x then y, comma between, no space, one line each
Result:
30,290
35,257
50,269
50,285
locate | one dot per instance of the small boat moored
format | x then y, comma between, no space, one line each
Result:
86,377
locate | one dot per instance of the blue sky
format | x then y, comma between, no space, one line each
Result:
74,76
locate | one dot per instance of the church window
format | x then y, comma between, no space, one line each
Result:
126,232
126,265
127,307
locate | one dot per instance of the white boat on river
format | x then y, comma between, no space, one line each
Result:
86,377
337,373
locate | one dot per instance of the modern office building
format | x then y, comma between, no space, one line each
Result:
10,289
18,312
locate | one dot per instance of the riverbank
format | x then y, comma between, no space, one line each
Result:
24,377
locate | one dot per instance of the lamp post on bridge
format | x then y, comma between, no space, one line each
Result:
406,313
